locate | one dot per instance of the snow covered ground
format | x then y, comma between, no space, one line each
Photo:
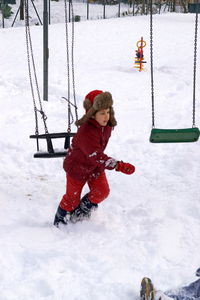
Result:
150,224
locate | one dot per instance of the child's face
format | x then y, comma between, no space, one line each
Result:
102,116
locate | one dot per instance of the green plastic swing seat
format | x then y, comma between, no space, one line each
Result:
185,135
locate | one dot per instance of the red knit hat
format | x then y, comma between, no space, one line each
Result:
94,101
91,95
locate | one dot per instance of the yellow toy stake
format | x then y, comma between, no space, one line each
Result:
139,55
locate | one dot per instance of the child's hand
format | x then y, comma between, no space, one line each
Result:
125,168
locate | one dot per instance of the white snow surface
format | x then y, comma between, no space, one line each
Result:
150,223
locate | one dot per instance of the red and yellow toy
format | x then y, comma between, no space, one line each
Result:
139,55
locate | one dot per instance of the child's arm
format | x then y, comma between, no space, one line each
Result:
91,147
125,168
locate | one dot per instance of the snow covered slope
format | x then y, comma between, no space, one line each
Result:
150,224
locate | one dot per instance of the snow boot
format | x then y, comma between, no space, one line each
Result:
61,217
83,211
198,272
147,291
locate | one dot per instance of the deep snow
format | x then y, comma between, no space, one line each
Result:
149,225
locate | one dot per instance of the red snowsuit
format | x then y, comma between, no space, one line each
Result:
86,162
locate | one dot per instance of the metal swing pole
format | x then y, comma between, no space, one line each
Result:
21,10
45,50
36,12
2,13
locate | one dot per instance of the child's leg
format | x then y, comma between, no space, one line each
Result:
73,192
99,189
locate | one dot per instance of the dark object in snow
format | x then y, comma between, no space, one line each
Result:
147,289
83,211
198,272
189,292
60,217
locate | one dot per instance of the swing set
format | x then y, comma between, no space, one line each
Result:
157,135
174,135
36,97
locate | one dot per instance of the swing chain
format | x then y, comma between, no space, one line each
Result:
195,66
68,62
70,115
29,64
72,56
195,63
30,58
44,116
67,54
151,57
70,102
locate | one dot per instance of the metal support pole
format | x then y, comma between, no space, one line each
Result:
15,17
45,50
49,11
104,9
87,9
36,12
119,9
2,11
21,9
133,7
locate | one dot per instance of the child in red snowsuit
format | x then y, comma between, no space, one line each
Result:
86,162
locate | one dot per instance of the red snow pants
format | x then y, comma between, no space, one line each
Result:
99,190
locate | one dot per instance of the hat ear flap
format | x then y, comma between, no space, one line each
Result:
112,120
87,104
86,117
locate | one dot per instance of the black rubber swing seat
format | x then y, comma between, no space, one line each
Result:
42,154
185,135
51,152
